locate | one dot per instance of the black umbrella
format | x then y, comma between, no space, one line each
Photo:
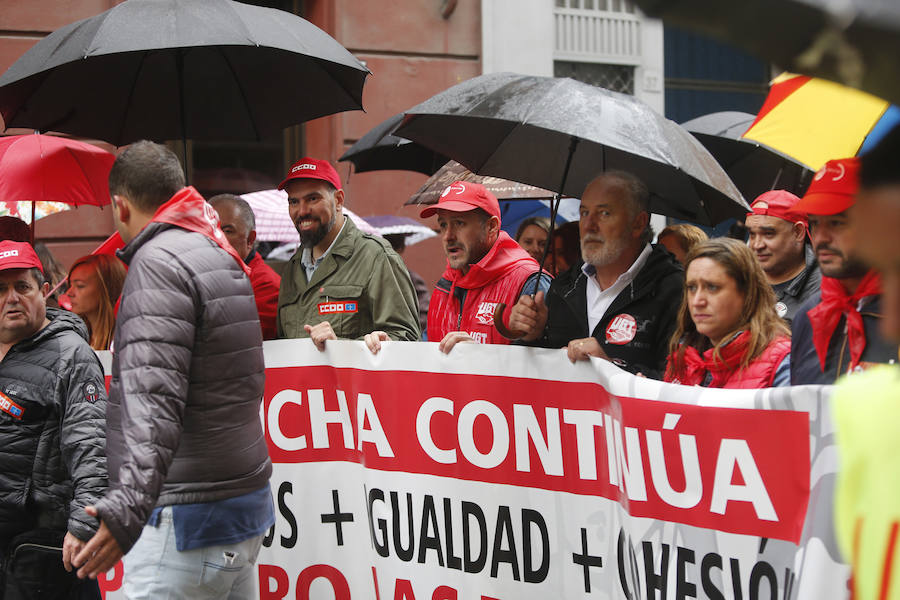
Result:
380,150
559,134
753,167
169,69
854,42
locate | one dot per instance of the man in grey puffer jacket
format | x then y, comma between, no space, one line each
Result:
188,462
52,406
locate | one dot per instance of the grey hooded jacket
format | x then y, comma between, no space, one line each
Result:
53,452
187,381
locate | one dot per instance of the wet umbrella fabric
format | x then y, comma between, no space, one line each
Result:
503,189
380,150
559,134
753,167
414,231
167,69
854,42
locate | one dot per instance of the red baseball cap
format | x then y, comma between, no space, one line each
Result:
18,255
463,196
312,168
833,188
777,203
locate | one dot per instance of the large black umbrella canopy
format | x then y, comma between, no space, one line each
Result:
380,150
753,167
559,134
854,42
170,69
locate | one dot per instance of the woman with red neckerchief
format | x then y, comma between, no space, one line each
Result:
728,333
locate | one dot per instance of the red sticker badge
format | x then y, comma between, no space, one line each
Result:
621,329
330,308
10,407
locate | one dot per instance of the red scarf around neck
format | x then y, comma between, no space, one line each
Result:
720,367
824,317
187,209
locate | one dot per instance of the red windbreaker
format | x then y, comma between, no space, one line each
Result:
467,302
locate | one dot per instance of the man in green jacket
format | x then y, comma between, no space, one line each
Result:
341,283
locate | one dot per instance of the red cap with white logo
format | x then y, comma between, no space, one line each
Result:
18,255
312,168
833,188
462,196
777,203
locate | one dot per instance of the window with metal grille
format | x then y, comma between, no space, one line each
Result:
618,78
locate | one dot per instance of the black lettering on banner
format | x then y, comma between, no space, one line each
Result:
532,575
404,554
337,517
736,578
291,540
628,559
760,571
653,580
504,523
683,587
429,523
476,565
381,547
709,562
586,561
453,562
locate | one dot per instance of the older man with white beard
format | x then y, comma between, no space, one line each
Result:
621,303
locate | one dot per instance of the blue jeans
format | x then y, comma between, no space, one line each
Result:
155,569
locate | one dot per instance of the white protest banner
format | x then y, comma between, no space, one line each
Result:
506,473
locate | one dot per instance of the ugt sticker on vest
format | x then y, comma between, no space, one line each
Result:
330,308
10,407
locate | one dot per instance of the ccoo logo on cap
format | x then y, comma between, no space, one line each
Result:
18,255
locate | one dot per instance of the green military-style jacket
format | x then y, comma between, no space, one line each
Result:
360,286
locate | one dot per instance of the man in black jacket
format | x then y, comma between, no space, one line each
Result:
189,497
52,433
621,304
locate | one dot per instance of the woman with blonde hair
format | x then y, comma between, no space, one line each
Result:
95,283
728,333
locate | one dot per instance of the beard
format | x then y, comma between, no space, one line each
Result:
609,251
309,239
849,266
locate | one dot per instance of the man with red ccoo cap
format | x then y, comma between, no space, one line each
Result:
484,268
778,238
836,332
341,283
52,433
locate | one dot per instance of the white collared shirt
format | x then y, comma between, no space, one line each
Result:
306,259
599,300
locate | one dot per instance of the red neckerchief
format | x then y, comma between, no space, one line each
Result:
187,209
696,365
835,302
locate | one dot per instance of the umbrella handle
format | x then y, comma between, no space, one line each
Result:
509,334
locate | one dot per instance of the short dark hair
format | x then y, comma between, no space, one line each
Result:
244,209
879,166
146,173
38,276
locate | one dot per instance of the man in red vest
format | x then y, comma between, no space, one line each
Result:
238,223
484,268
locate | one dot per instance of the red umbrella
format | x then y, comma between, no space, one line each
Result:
44,168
